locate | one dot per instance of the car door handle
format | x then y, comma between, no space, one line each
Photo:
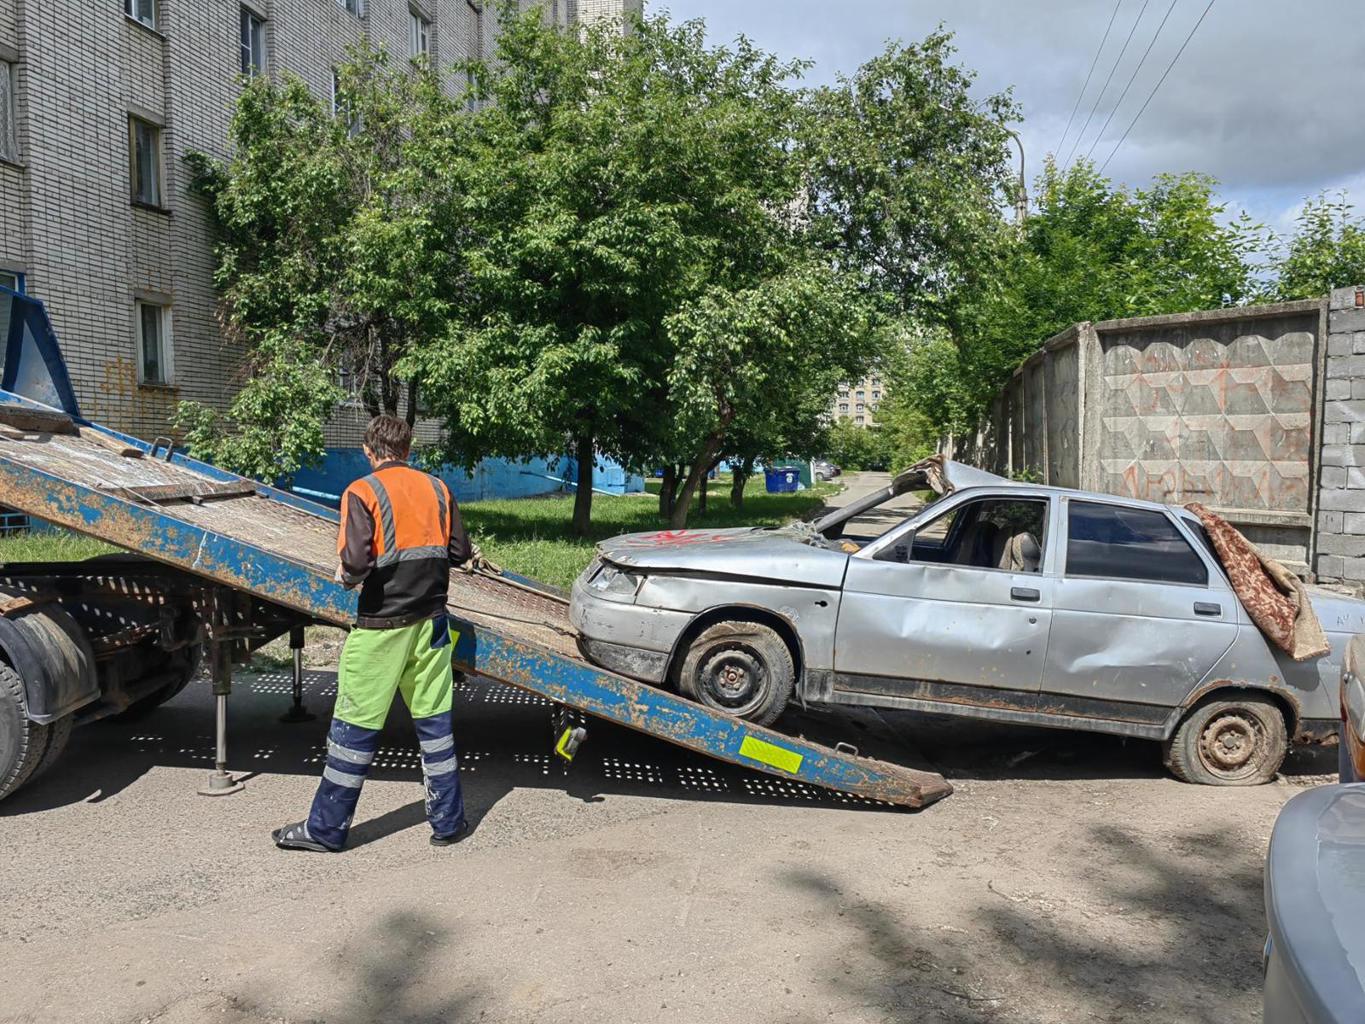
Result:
1024,594
1207,608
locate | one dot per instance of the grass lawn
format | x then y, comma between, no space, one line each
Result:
531,536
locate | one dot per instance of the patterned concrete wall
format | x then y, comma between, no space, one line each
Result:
1216,407
1219,413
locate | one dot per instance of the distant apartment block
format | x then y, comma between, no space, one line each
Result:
857,403
100,100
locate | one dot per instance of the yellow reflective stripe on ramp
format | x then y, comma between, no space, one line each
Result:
770,754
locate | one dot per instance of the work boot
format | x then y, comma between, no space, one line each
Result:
460,833
296,837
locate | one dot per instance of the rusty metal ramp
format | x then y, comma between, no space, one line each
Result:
151,500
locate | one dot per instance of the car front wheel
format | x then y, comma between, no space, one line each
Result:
1237,741
742,668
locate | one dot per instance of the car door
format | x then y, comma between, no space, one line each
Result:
1139,614
933,605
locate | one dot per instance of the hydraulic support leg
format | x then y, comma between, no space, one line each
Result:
220,782
297,713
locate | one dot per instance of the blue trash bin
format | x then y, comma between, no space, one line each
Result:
782,479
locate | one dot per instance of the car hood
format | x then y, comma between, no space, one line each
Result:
775,553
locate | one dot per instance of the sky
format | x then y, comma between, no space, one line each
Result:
1265,96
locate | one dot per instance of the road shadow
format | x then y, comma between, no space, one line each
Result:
971,749
1061,954
503,737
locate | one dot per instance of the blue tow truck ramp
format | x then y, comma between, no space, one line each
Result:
245,545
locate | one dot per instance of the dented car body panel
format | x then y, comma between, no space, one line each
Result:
1000,600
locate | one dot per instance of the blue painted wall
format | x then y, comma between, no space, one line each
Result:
492,478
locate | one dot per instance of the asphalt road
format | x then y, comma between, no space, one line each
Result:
1067,878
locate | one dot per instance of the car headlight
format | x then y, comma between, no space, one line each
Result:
611,580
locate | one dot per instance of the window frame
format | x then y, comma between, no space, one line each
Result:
19,283
166,351
9,145
955,529
955,500
419,31
152,21
1211,572
158,165
353,7
249,46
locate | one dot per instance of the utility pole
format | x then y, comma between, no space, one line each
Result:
1021,194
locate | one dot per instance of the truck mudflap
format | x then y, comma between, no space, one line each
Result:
253,539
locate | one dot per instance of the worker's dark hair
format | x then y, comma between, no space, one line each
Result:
389,437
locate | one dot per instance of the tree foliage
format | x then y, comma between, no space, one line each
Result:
338,242
1326,251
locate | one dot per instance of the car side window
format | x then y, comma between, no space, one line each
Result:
1115,542
989,533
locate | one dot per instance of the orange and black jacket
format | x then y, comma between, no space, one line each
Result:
400,534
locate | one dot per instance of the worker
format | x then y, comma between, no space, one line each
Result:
400,534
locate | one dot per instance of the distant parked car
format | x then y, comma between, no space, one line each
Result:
825,470
1351,752
999,600
1315,909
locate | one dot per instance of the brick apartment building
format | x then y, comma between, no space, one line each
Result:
857,403
100,100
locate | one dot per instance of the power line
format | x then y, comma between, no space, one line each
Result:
1081,95
1157,86
1131,79
1117,61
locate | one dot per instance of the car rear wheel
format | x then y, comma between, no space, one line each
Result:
1236,741
742,668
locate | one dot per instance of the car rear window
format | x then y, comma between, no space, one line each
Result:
1115,542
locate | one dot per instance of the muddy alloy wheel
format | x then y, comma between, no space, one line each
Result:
742,668
1229,742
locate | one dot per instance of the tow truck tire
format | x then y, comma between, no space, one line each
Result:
1230,741
742,668
58,733
23,744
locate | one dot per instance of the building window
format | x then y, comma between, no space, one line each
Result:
9,113
860,394
843,407
253,43
144,147
356,7
141,11
13,280
419,36
876,396
154,359
860,407
858,420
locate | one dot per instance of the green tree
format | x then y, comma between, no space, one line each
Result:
336,255
1326,251
1089,252
907,175
636,233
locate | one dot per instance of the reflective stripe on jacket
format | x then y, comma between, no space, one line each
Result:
400,533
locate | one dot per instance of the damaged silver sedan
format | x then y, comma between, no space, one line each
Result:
998,599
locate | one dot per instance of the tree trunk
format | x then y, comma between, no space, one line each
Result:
741,472
412,402
698,471
705,489
668,486
582,501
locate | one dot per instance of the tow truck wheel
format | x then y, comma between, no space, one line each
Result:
1234,741
23,744
742,668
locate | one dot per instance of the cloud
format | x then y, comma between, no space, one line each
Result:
1262,99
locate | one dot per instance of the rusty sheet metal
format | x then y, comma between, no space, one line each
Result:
284,552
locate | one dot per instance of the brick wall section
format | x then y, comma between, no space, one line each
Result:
66,219
1341,482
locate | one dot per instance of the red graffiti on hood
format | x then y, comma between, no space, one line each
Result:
678,538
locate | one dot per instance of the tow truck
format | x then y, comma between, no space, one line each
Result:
215,565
